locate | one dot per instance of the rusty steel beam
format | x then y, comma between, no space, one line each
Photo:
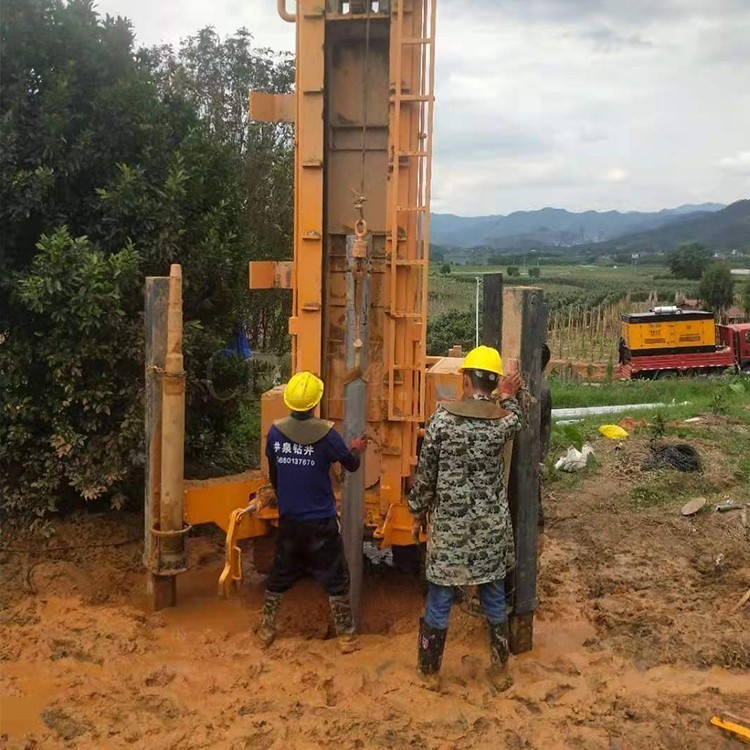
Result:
160,589
492,310
524,332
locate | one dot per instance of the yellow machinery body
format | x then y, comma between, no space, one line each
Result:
363,112
672,331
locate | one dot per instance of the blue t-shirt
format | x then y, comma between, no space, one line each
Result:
303,480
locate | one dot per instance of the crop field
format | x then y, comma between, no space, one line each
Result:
585,303
584,287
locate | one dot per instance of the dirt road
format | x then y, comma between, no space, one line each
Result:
636,647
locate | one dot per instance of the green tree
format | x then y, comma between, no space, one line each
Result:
746,298
535,272
445,269
717,287
513,271
689,261
112,166
448,330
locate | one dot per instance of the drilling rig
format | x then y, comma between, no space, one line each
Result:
362,110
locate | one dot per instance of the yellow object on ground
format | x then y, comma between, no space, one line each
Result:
303,392
484,358
613,432
735,725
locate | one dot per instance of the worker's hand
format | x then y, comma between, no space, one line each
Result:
265,496
252,508
358,445
418,524
509,385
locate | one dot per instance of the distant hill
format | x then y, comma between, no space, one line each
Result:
553,227
728,229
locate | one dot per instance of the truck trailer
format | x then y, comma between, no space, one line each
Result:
668,342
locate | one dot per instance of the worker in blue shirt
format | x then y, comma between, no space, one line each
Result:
300,450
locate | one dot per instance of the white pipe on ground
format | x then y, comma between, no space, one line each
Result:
592,411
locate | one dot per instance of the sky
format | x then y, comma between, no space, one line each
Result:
577,104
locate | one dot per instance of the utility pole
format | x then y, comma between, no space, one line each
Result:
476,326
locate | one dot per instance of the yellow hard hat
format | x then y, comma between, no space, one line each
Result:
303,392
484,358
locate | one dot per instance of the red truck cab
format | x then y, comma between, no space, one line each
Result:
737,338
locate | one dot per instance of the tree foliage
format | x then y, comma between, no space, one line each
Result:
746,298
513,271
114,164
689,261
445,269
717,287
535,272
449,330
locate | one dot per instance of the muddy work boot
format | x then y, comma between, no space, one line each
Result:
430,654
499,652
267,630
343,622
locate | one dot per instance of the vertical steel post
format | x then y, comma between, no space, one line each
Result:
172,513
492,310
524,329
160,589
355,414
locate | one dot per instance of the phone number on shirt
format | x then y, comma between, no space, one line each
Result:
295,461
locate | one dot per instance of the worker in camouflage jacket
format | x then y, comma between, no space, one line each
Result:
459,489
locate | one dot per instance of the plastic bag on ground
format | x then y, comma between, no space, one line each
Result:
613,431
574,460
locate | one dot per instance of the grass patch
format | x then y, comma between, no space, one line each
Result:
728,396
669,486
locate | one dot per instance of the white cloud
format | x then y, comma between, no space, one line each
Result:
740,162
541,102
616,174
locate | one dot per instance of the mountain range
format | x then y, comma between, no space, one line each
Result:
727,229
556,227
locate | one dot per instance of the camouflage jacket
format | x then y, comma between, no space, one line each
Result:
460,484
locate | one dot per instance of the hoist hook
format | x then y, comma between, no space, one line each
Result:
360,228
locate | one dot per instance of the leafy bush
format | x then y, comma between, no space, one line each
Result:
72,417
114,165
448,330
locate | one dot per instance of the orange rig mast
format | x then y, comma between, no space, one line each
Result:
363,112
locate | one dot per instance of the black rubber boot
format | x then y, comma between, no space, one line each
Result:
267,630
499,653
430,653
343,621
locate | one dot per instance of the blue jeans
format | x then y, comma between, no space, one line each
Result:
440,601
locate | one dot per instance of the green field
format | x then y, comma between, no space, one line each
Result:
583,286
584,304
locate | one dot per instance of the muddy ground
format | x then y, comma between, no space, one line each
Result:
636,641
